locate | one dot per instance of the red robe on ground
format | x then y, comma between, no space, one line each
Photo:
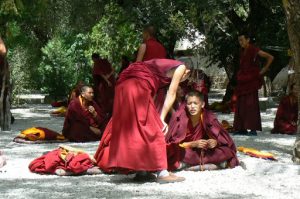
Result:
133,139
286,116
48,163
104,94
78,121
181,130
249,81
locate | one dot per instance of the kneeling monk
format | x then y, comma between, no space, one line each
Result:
134,138
84,120
199,142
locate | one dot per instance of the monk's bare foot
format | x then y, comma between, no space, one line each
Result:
94,171
61,172
205,167
171,178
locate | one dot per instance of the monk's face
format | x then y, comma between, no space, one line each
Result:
88,94
194,105
243,41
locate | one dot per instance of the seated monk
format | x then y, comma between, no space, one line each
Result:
287,114
63,161
39,133
84,120
199,142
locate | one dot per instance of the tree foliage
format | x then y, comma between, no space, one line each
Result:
113,28
114,35
63,65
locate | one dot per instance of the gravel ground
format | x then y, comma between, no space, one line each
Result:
261,179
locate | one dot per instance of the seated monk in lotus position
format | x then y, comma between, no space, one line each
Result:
84,120
199,142
287,114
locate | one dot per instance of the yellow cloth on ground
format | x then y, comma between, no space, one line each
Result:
33,134
61,110
256,153
65,150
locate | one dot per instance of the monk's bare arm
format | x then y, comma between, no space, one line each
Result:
141,52
2,48
269,59
171,94
106,80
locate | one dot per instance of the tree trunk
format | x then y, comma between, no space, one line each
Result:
292,11
5,115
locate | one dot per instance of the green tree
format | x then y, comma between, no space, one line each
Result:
114,35
63,65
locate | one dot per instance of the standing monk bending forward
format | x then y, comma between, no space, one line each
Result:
134,138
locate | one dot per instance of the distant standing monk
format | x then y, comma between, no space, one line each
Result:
150,48
249,81
104,83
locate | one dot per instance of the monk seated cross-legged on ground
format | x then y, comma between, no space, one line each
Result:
84,120
199,142
287,114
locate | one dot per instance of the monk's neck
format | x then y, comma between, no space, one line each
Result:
195,119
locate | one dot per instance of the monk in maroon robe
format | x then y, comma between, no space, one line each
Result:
197,141
287,114
134,138
150,48
249,81
84,120
104,83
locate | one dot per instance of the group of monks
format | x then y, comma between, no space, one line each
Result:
148,123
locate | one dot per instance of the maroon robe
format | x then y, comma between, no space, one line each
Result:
249,81
287,113
181,130
78,121
137,141
154,50
104,95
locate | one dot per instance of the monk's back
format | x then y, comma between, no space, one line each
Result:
154,50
